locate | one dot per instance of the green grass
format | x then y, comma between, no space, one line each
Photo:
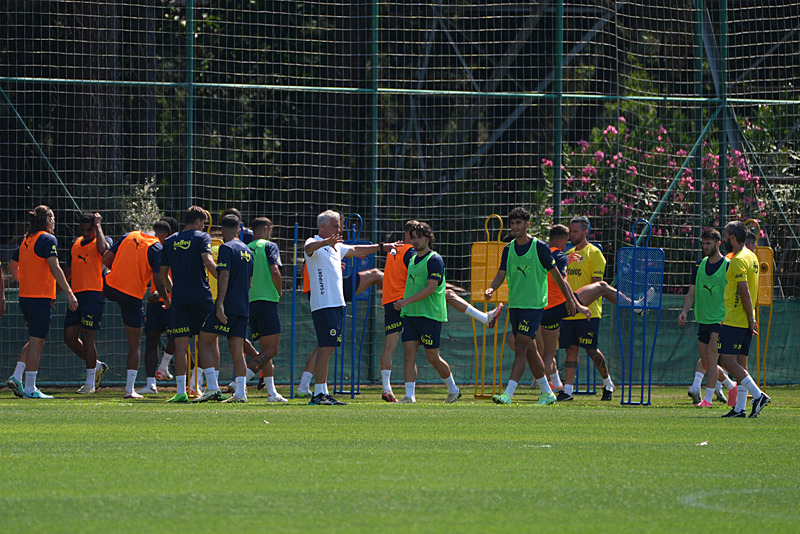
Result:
101,464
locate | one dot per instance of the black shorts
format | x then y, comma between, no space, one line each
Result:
88,316
187,319
580,332
37,314
704,332
264,319
132,309
156,318
426,331
347,286
328,326
551,317
391,319
236,327
734,340
525,321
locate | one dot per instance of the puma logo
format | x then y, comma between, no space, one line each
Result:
137,243
523,270
710,291
82,258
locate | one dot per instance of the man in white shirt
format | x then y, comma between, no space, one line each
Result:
324,254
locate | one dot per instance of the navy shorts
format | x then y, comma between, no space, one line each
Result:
426,331
37,313
132,309
525,321
347,282
391,319
236,327
704,332
187,319
734,340
328,325
551,317
156,318
89,314
264,319
580,332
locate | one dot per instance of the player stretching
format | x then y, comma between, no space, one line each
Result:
424,310
188,254
230,316
709,310
586,265
324,254
394,284
85,274
739,325
526,263
134,261
35,266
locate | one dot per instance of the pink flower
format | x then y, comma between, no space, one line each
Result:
610,198
548,211
598,156
603,210
622,120
546,162
567,201
610,130
583,144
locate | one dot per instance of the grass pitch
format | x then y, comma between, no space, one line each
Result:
102,464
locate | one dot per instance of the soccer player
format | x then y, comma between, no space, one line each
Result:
230,316
394,283
709,310
265,293
156,322
424,310
35,266
85,274
134,261
246,235
739,325
525,263
188,255
586,265
323,256
162,372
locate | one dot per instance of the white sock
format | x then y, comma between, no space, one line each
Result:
30,381
325,387
410,386
241,386
386,377
709,394
476,314
90,375
544,385
131,380
151,382
741,398
319,389
216,373
556,380
305,382
165,359
608,384
211,378
751,386
728,383
451,384
698,379
196,377
180,381
19,370
568,389
248,375
511,387
719,385
269,383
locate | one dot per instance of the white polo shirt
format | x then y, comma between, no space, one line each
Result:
325,275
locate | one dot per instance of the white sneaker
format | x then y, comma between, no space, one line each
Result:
276,398
197,393
234,398
148,390
408,400
163,374
132,395
209,394
85,390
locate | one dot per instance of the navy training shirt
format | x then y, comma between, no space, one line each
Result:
182,253
237,258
